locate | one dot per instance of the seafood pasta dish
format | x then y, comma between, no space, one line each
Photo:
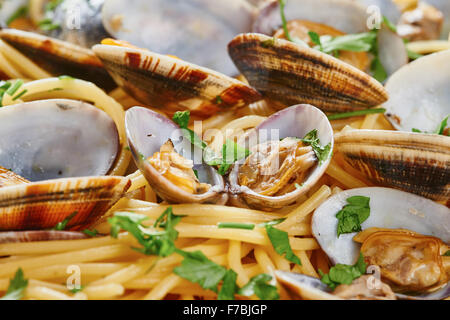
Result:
230,150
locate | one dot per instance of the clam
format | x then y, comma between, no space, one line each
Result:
405,236
168,160
418,93
444,7
194,30
389,208
289,73
336,18
413,162
57,138
42,205
172,84
281,168
59,57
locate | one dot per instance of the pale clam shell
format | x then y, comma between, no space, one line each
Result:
57,138
147,131
295,121
389,208
419,95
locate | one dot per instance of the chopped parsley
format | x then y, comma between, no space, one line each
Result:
65,77
91,233
75,290
63,224
48,24
447,254
154,242
17,286
234,225
323,153
259,286
355,212
271,223
19,13
343,273
280,242
344,115
231,152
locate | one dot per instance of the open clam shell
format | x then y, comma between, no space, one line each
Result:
305,286
286,72
295,121
419,95
344,15
48,139
40,235
172,84
194,30
42,205
59,57
389,208
413,162
147,131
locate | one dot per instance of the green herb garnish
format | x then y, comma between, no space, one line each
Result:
282,4
91,233
19,13
259,286
17,286
280,242
154,242
447,254
63,224
75,290
47,24
413,55
65,77
322,152
231,152
20,95
440,129
343,273
229,286
353,214
234,225
344,115
271,223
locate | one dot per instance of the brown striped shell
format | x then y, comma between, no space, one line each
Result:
59,57
286,72
42,205
172,84
413,162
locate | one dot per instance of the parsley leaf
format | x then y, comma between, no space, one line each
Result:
343,273
322,152
282,4
231,152
154,242
280,242
353,214
91,233
63,224
258,285
197,268
442,126
447,254
17,286
357,113
75,290
359,42
229,286
234,225
19,13
181,118
47,24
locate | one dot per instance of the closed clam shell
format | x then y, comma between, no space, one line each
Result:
289,73
42,205
413,162
173,84
59,57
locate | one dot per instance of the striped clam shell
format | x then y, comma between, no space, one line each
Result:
40,235
413,162
59,57
288,73
42,205
172,84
